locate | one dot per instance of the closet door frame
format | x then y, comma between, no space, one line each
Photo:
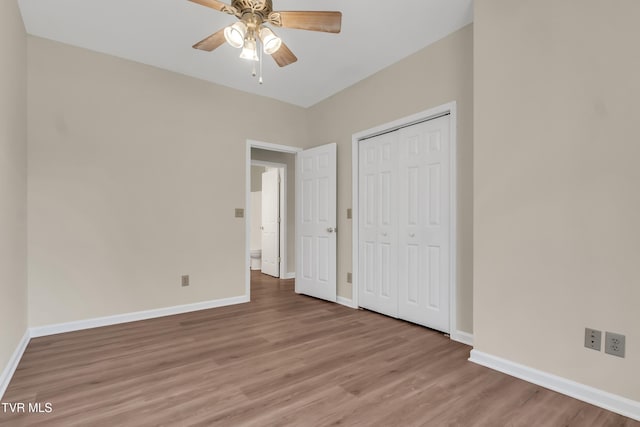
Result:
430,114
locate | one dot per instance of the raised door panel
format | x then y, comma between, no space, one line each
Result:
316,222
423,228
378,225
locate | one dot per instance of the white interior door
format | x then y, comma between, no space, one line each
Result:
271,223
316,222
378,224
424,223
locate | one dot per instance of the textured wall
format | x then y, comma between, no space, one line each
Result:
13,179
556,185
438,74
134,174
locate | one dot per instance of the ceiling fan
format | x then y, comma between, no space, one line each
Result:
251,29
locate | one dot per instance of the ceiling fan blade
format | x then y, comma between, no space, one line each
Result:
284,56
217,5
328,22
212,42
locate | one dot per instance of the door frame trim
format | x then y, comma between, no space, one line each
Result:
430,114
250,143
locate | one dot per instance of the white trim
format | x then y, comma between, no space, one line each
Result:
611,402
282,170
431,113
10,369
422,116
41,331
355,221
453,213
268,164
463,337
346,302
273,147
264,146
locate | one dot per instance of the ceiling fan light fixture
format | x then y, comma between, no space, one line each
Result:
256,18
270,42
249,50
235,34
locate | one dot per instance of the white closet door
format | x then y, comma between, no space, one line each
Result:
423,226
378,224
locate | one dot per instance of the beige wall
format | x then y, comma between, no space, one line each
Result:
13,179
127,191
256,177
290,161
134,174
556,185
441,73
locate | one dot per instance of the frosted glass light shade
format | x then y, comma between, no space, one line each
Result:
270,42
249,50
234,34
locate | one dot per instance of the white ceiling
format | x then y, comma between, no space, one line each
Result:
375,34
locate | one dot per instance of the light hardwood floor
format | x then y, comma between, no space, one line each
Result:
283,359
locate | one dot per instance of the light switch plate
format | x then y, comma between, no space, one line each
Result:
592,339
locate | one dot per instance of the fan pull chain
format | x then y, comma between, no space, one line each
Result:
260,79
257,45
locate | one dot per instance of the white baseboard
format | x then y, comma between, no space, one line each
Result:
10,369
41,331
289,276
611,402
346,302
463,337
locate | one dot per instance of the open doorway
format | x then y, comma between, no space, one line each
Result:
260,158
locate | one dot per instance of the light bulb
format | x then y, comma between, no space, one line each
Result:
235,34
270,42
249,50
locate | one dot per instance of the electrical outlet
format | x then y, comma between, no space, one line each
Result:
239,213
592,339
185,280
349,278
614,344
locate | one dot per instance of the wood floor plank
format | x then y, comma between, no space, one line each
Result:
281,360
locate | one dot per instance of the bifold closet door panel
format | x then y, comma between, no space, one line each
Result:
423,223
378,224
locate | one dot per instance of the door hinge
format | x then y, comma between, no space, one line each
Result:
278,259
278,220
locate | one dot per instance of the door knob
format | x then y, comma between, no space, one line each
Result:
331,229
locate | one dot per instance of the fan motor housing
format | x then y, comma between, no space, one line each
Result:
257,7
